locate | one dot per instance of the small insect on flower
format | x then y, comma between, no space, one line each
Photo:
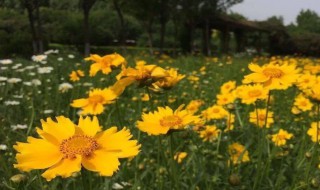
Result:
64,147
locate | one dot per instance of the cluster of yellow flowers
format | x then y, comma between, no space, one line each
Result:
63,147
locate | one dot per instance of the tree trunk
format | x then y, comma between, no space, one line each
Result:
86,31
162,33
206,39
29,7
39,28
122,30
148,26
86,6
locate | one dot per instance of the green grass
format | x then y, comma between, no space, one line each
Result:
206,165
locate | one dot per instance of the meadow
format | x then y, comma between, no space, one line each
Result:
207,124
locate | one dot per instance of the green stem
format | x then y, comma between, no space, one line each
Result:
31,118
238,115
174,184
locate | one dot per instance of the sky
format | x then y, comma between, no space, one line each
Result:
263,9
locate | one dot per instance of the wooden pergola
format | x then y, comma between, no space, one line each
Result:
240,28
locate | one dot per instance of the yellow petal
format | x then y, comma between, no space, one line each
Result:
106,163
36,154
65,168
119,143
78,103
62,129
89,127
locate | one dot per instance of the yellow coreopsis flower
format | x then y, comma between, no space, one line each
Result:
145,75
238,153
314,92
215,112
225,98
258,117
227,87
94,104
75,75
280,138
210,133
105,63
194,105
180,156
251,93
302,103
314,131
165,119
64,147
273,76
171,80
306,81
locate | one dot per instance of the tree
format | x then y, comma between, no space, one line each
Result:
200,11
86,7
309,21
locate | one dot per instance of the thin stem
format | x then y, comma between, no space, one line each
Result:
174,183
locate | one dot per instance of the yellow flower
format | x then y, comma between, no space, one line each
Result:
210,133
281,137
171,80
94,103
63,147
179,156
238,153
258,117
215,112
145,75
145,97
227,87
314,92
229,123
75,75
306,81
165,119
251,93
273,76
105,63
303,103
225,98
194,105
314,131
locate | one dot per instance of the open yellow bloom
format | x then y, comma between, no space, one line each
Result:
210,133
258,117
227,87
225,98
105,63
238,153
273,76
169,81
314,131
145,75
165,119
306,81
281,137
94,103
302,103
194,105
63,147
215,112
251,93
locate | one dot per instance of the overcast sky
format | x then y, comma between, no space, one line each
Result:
263,9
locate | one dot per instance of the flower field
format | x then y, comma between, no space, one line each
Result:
156,122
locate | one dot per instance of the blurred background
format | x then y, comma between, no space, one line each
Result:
209,27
